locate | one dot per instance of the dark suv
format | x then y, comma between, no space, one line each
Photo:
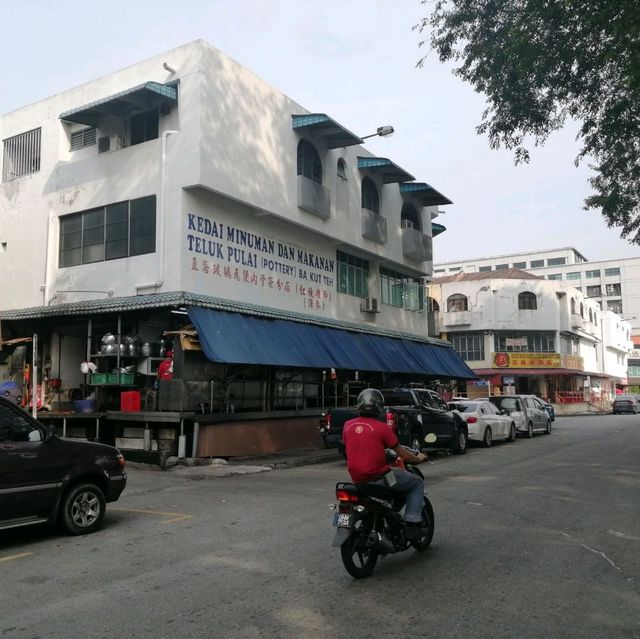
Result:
47,479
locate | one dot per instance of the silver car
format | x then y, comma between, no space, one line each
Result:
527,411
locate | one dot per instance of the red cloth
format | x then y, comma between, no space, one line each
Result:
165,369
365,439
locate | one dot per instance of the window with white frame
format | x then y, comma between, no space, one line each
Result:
123,229
21,155
470,346
539,342
611,272
592,274
403,291
353,275
613,289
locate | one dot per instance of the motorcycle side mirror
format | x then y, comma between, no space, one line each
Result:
431,438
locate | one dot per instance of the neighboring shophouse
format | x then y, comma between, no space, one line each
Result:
185,190
613,284
521,333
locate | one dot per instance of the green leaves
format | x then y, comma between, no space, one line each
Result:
540,62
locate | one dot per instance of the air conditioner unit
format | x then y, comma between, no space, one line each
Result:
369,305
406,224
110,143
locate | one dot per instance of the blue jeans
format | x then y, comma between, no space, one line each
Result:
413,487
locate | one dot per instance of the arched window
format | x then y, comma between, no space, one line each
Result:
342,169
309,163
370,199
409,216
432,304
581,309
527,301
457,303
573,306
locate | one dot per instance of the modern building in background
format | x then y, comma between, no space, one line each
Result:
614,284
186,190
521,333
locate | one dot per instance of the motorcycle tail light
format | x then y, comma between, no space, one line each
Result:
472,420
345,496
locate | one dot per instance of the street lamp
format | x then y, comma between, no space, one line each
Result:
382,131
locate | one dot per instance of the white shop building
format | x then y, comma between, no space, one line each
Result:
185,199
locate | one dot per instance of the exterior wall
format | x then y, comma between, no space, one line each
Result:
603,342
226,153
629,278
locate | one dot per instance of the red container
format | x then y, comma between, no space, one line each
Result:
130,401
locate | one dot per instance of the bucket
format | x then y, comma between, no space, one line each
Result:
84,405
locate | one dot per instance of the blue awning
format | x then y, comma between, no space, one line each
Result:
335,136
139,98
389,170
428,195
235,338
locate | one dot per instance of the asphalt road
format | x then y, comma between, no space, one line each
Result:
540,538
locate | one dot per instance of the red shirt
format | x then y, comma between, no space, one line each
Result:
365,439
165,369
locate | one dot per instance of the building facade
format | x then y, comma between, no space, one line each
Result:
521,333
614,284
184,190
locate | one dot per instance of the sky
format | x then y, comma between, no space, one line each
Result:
354,60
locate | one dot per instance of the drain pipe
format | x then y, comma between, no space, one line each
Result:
162,210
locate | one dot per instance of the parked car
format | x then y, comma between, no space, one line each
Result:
331,424
416,412
528,413
485,422
47,479
626,404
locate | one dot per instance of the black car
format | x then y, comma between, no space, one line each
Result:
47,479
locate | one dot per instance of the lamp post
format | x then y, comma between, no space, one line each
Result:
382,131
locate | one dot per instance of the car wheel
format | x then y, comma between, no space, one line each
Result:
460,443
530,430
512,433
547,430
487,440
82,509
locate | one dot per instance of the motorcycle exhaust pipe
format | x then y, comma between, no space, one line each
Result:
377,541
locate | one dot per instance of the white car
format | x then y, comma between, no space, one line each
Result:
484,421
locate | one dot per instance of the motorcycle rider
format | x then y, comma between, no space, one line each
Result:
366,437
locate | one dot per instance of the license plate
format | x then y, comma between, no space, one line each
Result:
342,520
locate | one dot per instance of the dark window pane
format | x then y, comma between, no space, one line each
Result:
117,231
142,229
144,127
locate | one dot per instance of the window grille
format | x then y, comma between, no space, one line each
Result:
470,346
309,164
527,301
370,198
82,138
21,155
403,291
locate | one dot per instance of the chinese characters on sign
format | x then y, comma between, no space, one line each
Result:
233,253
537,360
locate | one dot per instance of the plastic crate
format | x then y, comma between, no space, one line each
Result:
120,378
98,378
130,401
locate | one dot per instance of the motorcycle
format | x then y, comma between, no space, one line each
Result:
369,524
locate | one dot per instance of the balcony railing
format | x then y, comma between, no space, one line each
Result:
416,245
374,226
314,197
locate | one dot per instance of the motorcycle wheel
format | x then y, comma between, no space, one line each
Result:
359,561
423,542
